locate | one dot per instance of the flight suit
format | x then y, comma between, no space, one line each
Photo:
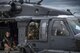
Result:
33,31
8,42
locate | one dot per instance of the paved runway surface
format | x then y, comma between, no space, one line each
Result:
49,51
10,52
57,51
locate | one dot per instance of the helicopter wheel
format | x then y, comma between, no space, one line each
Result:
22,50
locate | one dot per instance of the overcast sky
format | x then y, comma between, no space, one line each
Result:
73,5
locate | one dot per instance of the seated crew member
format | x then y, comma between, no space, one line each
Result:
8,42
33,31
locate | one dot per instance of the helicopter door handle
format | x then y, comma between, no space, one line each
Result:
34,44
52,39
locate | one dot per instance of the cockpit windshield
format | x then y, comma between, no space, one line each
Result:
75,26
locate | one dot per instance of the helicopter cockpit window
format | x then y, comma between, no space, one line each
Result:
59,29
33,30
75,26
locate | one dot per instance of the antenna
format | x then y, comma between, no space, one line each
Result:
69,11
21,1
40,2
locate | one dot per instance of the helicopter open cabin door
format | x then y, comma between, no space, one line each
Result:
8,27
60,35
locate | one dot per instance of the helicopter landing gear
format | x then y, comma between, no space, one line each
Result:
26,49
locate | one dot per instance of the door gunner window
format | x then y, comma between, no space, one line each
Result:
59,29
33,30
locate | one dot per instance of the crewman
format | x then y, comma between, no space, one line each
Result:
33,31
8,42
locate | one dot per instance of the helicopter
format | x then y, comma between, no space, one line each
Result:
38,28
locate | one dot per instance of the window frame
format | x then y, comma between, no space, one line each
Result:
40,28
66,26
28,29
47,22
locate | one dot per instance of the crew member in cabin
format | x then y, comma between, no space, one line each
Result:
8,42
33,31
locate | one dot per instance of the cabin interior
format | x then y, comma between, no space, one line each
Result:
32,31
8,26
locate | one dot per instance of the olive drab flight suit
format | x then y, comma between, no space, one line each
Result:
7,41
33,31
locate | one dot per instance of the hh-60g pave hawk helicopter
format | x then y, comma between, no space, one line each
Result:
39,29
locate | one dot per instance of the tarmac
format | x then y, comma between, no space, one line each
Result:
10,52
45,51
57,51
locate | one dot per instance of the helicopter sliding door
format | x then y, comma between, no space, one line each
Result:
61,38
